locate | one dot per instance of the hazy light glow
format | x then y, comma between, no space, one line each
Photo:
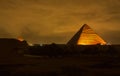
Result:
20,39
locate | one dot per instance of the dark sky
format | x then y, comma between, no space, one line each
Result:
47,21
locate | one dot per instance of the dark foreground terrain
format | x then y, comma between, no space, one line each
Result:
67,66
17,59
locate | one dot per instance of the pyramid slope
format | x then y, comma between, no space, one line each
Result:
86,36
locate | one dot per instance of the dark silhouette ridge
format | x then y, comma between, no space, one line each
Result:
11,48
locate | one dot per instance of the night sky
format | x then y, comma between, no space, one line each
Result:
48,21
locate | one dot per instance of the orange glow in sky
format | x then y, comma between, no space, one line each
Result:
20,39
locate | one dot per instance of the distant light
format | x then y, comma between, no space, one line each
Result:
20,39
37,44
108,43
30,44
41,44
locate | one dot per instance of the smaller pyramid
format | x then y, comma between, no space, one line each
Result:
86,36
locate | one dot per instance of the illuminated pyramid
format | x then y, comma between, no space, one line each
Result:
86,36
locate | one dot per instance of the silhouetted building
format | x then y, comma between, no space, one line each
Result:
10,48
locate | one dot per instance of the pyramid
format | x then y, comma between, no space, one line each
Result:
86,36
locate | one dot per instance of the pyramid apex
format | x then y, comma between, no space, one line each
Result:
85,25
